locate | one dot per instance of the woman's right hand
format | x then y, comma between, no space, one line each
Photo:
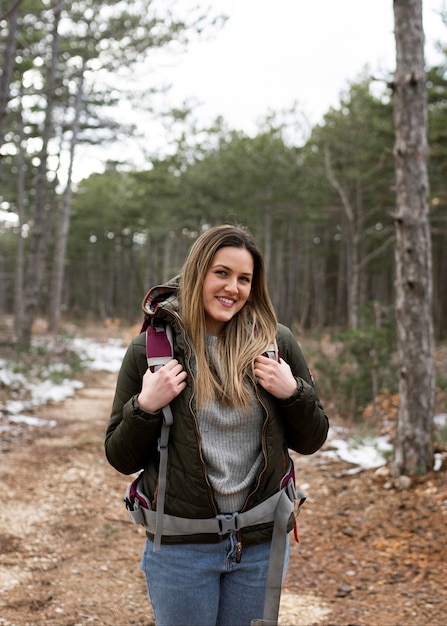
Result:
162,386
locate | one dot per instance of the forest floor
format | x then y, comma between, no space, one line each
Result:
373,551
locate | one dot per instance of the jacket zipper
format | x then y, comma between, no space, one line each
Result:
193,415
264,451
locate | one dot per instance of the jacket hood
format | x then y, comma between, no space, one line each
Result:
161,297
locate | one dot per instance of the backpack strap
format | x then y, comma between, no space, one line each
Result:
159,345
159,351
272,352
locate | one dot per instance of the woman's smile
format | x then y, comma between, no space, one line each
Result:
226,302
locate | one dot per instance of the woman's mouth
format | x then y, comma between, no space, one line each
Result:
226,302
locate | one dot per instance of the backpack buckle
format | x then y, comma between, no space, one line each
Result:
227,522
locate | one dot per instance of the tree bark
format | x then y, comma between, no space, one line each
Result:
36,256
54,314
352,246
19,308
12,15
414,448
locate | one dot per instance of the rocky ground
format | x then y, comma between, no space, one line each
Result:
372,552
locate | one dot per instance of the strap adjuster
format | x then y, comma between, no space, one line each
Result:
291,491
227,522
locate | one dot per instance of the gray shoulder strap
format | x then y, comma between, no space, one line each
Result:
158,354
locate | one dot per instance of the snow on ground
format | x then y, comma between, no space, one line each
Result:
103,357
362,453
365,453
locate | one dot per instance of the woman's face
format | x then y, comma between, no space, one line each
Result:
226,287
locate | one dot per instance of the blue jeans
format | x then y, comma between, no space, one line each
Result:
203,585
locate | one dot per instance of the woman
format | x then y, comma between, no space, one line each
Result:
235,414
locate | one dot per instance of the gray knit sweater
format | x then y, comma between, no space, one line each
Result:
231,447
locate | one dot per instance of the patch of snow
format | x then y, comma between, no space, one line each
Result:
367,453
104,357
437,462
371,452
440,420
30,420
8,377
47,391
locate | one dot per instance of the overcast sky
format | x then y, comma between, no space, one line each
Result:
270,55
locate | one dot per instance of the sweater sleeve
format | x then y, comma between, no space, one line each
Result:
306,424
132,434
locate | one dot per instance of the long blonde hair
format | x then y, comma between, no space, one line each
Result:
248,334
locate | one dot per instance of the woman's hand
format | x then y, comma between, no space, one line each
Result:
162,386
275,377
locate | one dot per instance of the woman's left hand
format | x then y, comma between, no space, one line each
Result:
275,377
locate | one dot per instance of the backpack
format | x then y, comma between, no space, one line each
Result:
276,509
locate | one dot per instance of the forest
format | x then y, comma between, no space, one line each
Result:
321,201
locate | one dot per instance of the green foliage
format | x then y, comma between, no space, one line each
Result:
243,176
357,140
440,436
362,364
441,383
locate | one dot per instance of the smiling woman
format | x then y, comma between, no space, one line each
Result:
228,487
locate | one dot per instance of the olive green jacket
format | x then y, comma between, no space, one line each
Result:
131,440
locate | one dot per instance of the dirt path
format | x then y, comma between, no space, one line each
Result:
69,556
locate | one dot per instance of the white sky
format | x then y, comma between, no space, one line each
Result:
270,55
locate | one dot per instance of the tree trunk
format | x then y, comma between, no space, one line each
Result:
167,256
19,308
36,256
12,15
352,246
268,240
413,448
305,294
57,282
293,276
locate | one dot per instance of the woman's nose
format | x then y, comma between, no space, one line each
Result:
231,285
